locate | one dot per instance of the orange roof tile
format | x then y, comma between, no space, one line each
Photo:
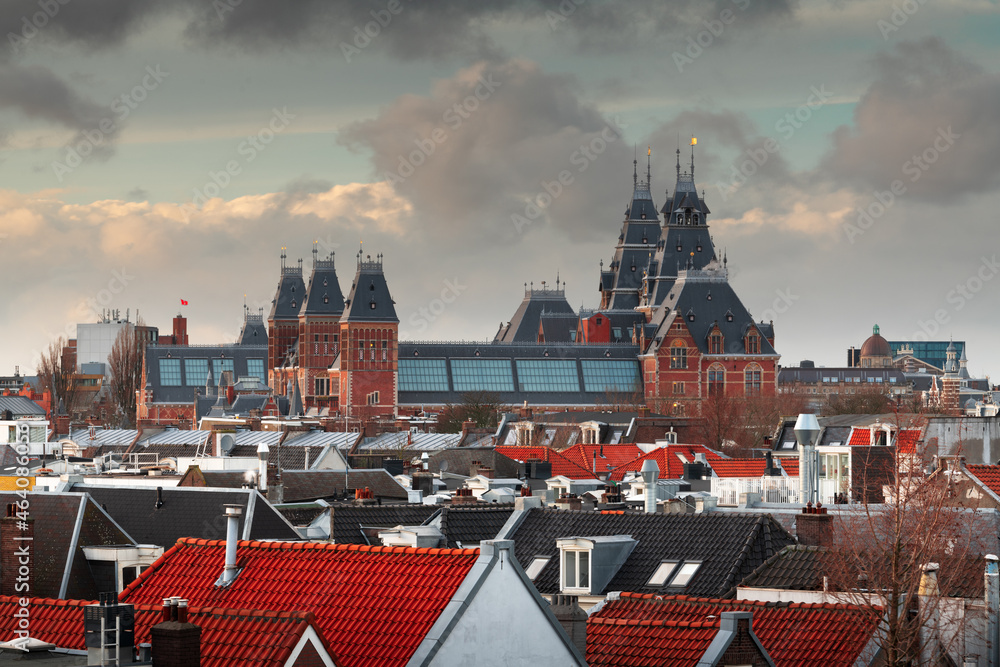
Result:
739,467
561,465
668,458
907,440
370,603
861,436
638,630
790,465
609,457
229,636
988,475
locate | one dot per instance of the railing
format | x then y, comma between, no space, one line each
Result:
134,462
771,489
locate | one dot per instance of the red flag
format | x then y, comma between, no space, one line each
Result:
183,302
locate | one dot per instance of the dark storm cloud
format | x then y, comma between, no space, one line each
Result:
488,145
930,120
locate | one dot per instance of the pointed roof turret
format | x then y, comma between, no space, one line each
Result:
641,207
323,296
369,299
253,331
290,293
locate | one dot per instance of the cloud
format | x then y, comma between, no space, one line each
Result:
930,119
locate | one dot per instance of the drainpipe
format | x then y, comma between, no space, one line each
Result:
992,587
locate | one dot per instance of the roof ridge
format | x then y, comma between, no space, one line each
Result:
324,546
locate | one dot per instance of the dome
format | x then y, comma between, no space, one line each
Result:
876,346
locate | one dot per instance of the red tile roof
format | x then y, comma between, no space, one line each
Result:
790,465
988,475
228,636
561,465
668,458
907,440
739,467
371,604
651,630
861,436
609,457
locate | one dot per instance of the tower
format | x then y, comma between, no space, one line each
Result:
283,324
369,331
319,333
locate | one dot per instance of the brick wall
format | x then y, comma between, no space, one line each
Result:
176,644
9,558
743,650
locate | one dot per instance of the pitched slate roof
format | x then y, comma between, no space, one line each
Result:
459,461
64,523
795,568
373,605
228,636
638,630
668,458
470,525
302,485
188,512
347,521
20,406
185,392
729,545
524,325
290,293
369,299
323,296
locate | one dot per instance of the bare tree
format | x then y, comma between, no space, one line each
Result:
869,399
125,366
55,377
738,424
482,407
882,549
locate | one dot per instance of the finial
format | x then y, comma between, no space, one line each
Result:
678,155
315,252
649,177
694,141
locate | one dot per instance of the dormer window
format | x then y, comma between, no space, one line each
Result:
680,248
576,570
588,564
326,298
729,316
372,304
715,343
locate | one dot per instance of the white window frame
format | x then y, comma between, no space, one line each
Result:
575,554
663,572
536,566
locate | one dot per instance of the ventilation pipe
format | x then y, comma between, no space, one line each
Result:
992,611
807,433
650,473
233,514
262,452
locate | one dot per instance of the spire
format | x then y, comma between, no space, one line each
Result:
694,142
635,167
282,257
649,175
315,253
678,158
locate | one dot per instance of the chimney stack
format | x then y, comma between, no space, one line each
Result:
813,526
109,631
650,472
233,514
176,643
262,453
572,618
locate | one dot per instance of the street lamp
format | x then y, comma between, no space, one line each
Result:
806,434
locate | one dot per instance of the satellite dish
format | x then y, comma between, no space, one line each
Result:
443,467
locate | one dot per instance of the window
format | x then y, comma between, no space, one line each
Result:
170,372
547,375
255,367
385,350
482,374
662,573
536,566
678,355
715,343
423,375
195,372
361,350
685,574
220,366
373,398
611,375
616,333
322,386
576,569
678,387
751,379
716,380
753,344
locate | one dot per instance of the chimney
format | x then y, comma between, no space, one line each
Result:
16,542
262,452
992,589
769,469
569,501
572,618
159,497
233,514
813,526
650,472
180,330
176,643
927,595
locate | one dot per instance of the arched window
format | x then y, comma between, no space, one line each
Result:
678,354
715,342
751,379
716,380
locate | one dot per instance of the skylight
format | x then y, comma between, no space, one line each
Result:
685,574
662,573
536,566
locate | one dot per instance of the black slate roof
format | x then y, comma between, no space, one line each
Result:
290,294
523,326
185,393
369,299
302,485
460,461
254,331
795,568
471,525
323,296
188,512
729,545
346,521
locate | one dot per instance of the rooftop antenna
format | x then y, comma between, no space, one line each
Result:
635,166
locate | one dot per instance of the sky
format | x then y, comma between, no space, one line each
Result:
849,151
